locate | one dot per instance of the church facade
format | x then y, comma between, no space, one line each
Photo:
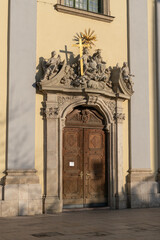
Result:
79,105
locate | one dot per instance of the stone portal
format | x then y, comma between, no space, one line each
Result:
80,114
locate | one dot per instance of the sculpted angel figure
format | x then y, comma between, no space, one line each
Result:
50,67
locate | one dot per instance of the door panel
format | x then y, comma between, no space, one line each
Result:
73,166
84,167
94,161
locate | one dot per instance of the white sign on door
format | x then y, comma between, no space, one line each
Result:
71,164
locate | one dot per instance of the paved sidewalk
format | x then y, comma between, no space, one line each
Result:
97,224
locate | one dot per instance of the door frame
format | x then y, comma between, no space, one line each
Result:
84,128
57,107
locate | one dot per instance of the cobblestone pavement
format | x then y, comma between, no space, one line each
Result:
99,224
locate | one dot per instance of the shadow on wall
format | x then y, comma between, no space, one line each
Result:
2,146
143,194
40,74
19,144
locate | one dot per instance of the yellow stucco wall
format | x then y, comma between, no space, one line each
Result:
55,30
152,85
3,80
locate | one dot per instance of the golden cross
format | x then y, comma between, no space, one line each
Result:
81,46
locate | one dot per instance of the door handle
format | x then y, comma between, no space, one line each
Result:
81,175
88,174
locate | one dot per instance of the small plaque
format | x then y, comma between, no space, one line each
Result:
71,164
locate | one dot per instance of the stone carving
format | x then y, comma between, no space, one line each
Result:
84,116
119,116
121,80
111,105
69,75
49,112
91,99
127,76
52,66
96,75
61,99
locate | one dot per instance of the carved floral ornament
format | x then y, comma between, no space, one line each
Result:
57,75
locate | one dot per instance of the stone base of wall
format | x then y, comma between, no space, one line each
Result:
53,205
121,201
143,190
20,194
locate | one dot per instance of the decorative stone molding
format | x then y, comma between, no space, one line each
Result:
51,112
63,99
92,99
62,122
108,128
111,105
21,177
119,117
137,175
83,13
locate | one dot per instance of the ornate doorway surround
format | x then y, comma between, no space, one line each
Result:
63,91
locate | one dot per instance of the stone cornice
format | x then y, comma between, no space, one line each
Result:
83,13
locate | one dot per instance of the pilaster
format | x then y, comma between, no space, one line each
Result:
52,191
21,190
142,187
21,100
138,43
121,201
158,77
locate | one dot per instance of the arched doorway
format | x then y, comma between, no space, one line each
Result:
84,159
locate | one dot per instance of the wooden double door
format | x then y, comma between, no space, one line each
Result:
84,168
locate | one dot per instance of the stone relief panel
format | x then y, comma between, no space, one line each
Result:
96,76
111,105
53,109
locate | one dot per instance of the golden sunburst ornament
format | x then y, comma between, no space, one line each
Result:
88,37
